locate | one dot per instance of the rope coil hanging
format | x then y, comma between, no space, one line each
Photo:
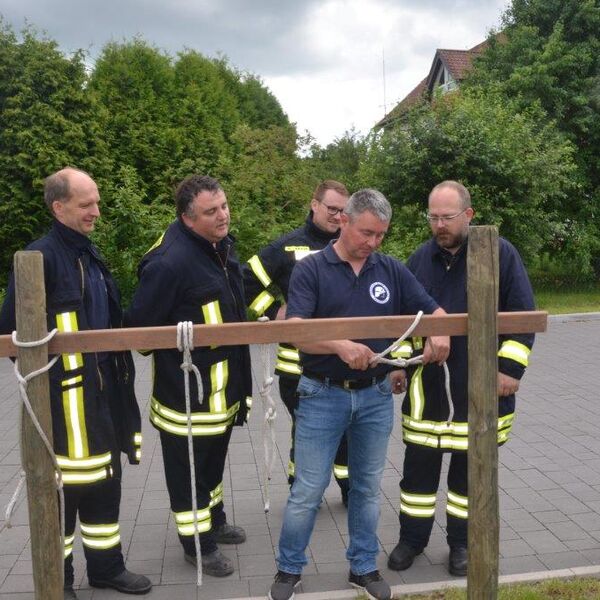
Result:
270,414
23,382
417,360
185,344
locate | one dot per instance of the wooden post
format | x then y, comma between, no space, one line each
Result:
46,550
482,297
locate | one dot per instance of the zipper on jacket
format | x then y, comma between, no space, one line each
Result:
81,272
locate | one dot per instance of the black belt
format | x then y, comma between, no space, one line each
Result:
347,384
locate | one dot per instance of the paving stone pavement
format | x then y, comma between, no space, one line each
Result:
549,492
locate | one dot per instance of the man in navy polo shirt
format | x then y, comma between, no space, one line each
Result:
340,391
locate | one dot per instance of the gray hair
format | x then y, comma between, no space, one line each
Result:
369,200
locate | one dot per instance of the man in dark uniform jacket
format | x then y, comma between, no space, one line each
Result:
95,415
192,274
441,266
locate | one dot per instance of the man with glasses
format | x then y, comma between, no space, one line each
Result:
440,265
266,279
342,391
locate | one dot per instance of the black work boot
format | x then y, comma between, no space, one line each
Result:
402,556
457,561
125,582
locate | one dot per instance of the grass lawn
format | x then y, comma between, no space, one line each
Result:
564,300
554,589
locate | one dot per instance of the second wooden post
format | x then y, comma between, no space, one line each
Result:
482,294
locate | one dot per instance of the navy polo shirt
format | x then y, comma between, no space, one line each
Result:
324,286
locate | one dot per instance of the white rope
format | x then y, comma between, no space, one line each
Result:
185,344
23,382
417,360
268,427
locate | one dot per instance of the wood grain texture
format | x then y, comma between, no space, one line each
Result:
482,298
46,550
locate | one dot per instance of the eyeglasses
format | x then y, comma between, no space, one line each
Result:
443,218
332,211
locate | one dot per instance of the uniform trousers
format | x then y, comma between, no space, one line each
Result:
288,390
98,508
418,488
210,452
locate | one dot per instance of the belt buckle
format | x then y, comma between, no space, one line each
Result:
347,384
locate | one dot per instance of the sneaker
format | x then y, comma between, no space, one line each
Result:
215,564
229,534
373,584
125,582
402,556
283,586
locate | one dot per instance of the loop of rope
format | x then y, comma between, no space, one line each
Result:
23,381
185,344
417,360
270,412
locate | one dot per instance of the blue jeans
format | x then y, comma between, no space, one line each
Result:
324,413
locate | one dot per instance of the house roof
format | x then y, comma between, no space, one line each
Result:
457,62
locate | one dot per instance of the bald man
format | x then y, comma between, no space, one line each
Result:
95,415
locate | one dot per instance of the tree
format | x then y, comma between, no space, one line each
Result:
496,151
47,121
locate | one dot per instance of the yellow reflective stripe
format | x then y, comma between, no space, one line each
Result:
137,438
340,471
454,443
417,512
75,422
291,468
288,353
85,477
458,499
297,248
436,427
68,547
426,499
456,511
515,351
138,455
261,302
216,495
404,350
157,243
196,417
66,323
417,396
72,381
212,313
288,368
248,402
185,521
259,270
96,530
101,544
66,462
196,429
219,374
300,254
417,343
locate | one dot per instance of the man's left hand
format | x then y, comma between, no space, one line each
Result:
507,385
436,349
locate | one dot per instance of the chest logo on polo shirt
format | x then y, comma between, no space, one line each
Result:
379,292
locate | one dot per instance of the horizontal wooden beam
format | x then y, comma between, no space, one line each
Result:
309,330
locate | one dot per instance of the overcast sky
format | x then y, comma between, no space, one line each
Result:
321,58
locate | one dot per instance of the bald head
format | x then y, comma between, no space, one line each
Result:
72,197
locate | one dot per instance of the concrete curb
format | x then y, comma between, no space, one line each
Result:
570,317
427,588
